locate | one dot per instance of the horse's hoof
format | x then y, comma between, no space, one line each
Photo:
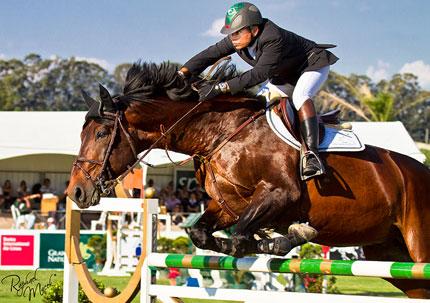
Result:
279,246
303,231
225,245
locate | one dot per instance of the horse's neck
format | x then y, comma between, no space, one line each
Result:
203,133
206,127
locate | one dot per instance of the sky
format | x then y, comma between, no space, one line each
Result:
374,38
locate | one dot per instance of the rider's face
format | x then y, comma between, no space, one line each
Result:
242,38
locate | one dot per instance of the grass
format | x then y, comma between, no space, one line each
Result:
346,285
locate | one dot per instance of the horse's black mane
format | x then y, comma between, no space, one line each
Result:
148,80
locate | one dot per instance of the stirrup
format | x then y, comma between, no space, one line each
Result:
303,158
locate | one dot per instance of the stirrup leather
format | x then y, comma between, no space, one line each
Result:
304,155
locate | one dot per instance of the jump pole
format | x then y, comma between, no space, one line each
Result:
75,269
150,291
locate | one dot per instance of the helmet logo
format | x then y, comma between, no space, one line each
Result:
232,12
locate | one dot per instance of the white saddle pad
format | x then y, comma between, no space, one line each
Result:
334,140
339,140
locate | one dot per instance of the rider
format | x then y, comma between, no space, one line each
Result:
280,56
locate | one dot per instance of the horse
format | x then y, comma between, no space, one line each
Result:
374,198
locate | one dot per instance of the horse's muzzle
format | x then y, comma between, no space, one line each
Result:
84,199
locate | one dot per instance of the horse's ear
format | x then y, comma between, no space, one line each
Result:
107,104
93,112
88,100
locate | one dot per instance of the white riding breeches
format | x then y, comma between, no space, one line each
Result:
306,88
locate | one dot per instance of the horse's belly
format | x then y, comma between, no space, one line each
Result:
345,223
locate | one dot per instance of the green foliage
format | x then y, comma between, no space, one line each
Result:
82,297
381,107
97,244
426,152
49,84
310,251
400,98
180,245
54,293
314,283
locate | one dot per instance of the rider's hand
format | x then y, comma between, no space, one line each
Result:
184,73
209,91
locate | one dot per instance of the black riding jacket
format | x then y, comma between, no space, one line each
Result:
280,55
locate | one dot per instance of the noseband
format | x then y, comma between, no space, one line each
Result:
105,187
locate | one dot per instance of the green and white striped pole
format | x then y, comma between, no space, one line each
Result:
402,270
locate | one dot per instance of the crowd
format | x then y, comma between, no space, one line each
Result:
180,200
24,202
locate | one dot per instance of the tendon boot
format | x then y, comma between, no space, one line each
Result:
310,162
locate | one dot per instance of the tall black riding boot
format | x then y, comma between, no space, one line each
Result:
310,162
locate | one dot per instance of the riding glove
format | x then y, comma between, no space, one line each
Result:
209,91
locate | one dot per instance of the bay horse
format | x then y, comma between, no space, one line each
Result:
375,198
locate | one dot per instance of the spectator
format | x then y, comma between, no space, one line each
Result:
183,196
46,187
193,203
51,224
23,204
171,202
36,201
22,189
167,191
63,198
136,193
177,218
7,194
1,197
201,194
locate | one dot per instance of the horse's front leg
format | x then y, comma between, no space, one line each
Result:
269,206
201,233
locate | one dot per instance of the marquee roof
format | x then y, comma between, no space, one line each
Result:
26,133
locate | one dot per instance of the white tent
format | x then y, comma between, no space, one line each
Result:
30,133
388,135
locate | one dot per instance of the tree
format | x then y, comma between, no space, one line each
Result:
49,84
400,98
120,73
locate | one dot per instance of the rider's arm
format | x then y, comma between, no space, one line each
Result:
209,56
263,70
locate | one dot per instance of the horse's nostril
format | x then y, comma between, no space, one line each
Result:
79,193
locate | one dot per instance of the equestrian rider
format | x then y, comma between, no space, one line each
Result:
284,58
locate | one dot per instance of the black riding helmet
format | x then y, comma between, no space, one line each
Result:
241,15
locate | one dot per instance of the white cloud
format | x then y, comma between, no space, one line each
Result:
215,28
379,72
103,63
419,69
2,56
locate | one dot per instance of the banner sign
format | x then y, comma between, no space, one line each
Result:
186,178
51,253
17,250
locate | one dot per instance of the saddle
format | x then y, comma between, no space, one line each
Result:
289,116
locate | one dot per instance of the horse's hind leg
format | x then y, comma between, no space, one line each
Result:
414,227
395,249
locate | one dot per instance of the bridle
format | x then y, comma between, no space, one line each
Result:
104,187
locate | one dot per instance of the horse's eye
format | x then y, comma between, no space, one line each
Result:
101,134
